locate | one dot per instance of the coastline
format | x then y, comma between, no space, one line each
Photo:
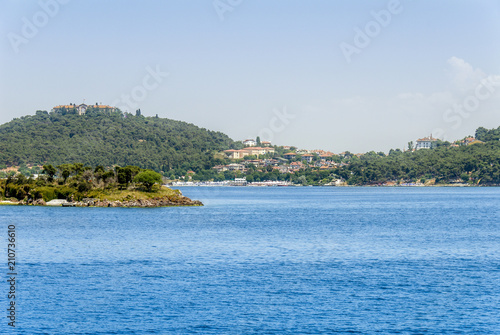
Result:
343,185
140,203
178,200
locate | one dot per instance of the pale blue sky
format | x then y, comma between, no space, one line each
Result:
232,72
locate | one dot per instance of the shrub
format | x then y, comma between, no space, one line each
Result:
15,191
84,187
46,193
148,178
64,192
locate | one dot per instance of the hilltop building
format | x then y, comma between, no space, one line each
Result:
250,151
82,108
425,143
249,143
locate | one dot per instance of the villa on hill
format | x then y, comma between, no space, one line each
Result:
249,143
425,143
82,108
249,151
253,143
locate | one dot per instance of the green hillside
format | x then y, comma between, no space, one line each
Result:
107,139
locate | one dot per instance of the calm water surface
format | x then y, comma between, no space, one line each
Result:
263,261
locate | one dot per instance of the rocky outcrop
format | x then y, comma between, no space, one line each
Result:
155,202
177,199
38,202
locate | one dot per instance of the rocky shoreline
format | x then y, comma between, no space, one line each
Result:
141,203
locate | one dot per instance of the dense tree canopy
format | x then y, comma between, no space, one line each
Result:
477,163
108,139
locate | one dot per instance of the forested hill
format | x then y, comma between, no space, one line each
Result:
108,139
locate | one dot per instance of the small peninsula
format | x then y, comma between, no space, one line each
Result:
76,185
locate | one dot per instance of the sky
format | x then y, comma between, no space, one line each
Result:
316,74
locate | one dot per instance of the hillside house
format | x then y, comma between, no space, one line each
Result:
236,154
290,155
308,158
425,143
471,140
82,108
250,151
249,143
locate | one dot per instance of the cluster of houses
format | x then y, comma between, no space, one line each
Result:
285,164
280,165
466,141
309,155
308,158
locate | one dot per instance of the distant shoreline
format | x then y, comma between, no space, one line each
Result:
401,186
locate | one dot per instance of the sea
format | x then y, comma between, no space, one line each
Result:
271,260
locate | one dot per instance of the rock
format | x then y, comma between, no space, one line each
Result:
39,202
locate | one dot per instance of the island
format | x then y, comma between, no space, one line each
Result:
76,185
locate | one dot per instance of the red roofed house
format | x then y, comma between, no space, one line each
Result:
254,151
425,143
236,154
308,157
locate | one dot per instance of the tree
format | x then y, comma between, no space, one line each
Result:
50,170
148,179
126,175
99,168
410,146
65,170
258,141
481,133
77,168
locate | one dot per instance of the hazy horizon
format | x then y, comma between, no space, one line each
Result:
332,75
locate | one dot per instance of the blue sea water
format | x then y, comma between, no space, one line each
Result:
263,261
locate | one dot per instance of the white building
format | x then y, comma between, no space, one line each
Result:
249,143
240,180
425,143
